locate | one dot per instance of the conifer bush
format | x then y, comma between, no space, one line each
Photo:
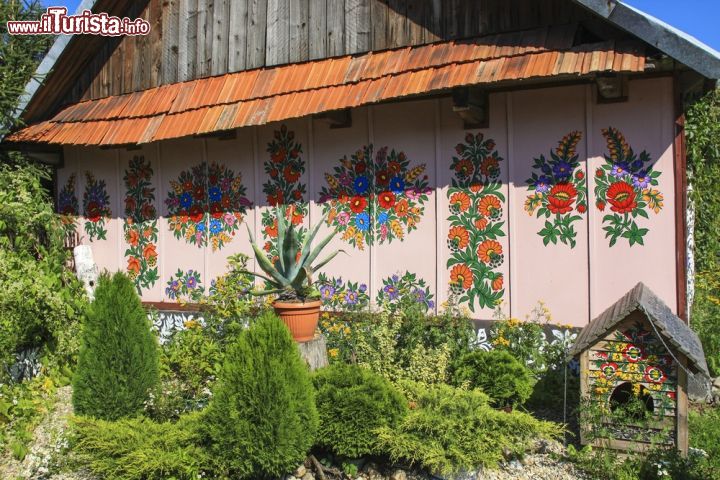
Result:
262,419
497,373
352,402
118,361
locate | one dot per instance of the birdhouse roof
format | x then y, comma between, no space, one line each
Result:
675,333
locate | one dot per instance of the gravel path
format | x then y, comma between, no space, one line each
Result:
48,443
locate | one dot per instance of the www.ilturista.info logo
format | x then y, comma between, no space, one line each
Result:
56,21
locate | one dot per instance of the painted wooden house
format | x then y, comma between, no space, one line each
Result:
638,348
491,154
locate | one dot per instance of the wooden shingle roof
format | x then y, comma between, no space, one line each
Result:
260,96
673,330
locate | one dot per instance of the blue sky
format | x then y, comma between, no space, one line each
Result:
699,18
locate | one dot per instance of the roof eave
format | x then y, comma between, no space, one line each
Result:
669,40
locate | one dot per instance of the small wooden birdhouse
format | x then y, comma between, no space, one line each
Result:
637,354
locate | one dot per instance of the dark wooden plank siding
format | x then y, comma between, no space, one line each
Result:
197,38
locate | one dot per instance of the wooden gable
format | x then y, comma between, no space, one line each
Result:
192,39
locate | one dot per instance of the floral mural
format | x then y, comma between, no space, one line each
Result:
636,356
96,207
284,170
476,208
405,290
206,205
140,227
68,204
559,192
375,196
625,183
185,286
339,295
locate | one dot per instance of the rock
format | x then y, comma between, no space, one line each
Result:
308,476
85,268
515,464
371,472
398,475
301,470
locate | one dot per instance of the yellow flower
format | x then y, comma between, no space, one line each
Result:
532,203
654,199
333,352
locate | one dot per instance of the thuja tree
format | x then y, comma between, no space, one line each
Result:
262,419
703,148
118,362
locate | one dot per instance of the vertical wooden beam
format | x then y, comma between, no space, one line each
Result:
187,48
298,50
397,33
221,37
156,43
584,391
256,31
317,34
357,26
200,51
680,164
209,32
378,24
238,35
335,27
170,41
277,42
681,415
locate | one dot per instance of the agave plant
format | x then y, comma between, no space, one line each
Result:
291,275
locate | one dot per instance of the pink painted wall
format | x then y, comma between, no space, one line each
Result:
447,209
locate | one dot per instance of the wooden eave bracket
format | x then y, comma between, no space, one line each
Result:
472,105
336,118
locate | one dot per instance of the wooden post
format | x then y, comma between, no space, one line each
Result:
314,352
681,414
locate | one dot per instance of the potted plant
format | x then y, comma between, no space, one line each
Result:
290,276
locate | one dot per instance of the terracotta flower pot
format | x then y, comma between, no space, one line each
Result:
301,318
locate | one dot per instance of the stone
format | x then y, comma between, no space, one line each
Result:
398,475
308,476
515,464
371,472
716,383
85,268
300,471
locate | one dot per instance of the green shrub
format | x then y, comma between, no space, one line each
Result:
354,336
657,464
262,418
41,302
352,402
703,148
404,346
498,374
448,430
705,436
705,314
138,448
189,363
118,363
23,405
